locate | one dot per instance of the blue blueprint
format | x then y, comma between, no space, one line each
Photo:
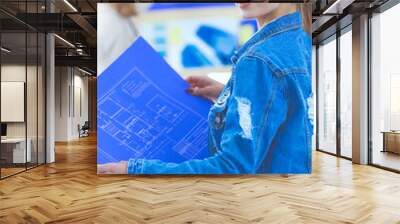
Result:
144,111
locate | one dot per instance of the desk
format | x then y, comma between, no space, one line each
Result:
391,141
15,148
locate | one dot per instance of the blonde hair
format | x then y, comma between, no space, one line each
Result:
306,14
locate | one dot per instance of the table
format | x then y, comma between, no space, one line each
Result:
15,148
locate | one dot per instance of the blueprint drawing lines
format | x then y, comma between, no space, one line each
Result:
139,116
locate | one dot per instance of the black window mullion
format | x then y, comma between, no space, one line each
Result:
317,96
44,72
26,87
1,163
37,90
369,96
338,95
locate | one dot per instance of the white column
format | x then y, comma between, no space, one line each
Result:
360,90
50,99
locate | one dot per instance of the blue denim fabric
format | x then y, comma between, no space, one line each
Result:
260,122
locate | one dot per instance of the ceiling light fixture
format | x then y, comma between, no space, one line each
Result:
337,7
84,71
70,5
5,50
65,41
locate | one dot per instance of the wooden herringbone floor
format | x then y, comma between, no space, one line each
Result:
69,191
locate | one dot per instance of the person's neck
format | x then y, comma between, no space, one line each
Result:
282,10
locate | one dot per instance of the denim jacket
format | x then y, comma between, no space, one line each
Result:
260,122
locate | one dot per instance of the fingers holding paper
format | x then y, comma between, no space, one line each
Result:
113,168
204,87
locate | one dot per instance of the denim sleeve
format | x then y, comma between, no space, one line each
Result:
256,98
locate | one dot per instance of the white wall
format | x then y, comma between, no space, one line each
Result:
62,82
71,94
11,73
80,103
17,73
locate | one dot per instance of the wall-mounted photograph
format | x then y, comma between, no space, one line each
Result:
204,88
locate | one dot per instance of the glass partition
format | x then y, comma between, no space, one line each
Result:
22,77
346,93
385,89
14,151
327,96
31,99
41,107
32,83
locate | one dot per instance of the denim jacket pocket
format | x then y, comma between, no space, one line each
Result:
218,110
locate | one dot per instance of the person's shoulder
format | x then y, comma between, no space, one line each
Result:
285,53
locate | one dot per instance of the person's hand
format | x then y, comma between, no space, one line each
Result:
126,9
113,168
204,87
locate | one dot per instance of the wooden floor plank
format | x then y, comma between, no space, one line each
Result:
70,191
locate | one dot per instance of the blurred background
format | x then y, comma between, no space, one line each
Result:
194,38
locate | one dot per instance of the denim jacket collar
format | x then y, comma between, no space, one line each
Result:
287,22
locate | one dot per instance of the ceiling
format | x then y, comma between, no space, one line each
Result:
76,20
